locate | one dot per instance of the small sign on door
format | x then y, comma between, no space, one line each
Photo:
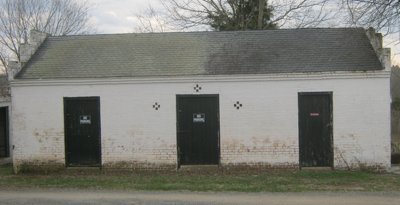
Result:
314,114
199,117
85,119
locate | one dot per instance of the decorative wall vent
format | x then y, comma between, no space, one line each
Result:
197,88
238,105
156,106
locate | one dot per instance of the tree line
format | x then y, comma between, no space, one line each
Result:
223,15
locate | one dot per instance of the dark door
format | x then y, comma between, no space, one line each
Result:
82,131
198,129
4,140
315,129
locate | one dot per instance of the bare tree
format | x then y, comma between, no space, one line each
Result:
192,14
151,21
56,17
305,13
382,15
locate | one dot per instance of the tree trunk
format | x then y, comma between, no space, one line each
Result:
261,6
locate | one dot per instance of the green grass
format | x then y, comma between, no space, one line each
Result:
277,181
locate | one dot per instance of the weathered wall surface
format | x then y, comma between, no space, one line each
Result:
264,132
395,131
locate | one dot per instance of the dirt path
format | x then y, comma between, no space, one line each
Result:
75,197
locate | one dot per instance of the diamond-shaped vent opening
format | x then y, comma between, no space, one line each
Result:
197,88
156,106
238,105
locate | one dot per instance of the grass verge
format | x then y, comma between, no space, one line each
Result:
277,181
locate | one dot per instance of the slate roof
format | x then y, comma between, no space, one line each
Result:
202,53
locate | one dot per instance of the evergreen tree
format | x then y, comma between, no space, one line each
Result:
243,15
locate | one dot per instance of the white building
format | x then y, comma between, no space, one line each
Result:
276,98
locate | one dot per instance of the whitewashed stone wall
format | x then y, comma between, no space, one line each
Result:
263,132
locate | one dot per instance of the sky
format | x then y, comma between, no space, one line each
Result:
117,16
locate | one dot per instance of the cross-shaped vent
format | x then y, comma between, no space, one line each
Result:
156,106
238,105
197,88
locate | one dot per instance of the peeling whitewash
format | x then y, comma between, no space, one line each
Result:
263,132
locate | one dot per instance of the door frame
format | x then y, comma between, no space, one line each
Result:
65,100
215,96
330,96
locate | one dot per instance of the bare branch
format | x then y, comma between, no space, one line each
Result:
151,21
383,15
56,17
201,14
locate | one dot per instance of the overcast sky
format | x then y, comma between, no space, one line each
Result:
117,16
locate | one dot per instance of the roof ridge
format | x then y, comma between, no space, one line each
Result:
208,32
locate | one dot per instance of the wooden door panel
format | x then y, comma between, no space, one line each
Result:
82,131
198,129
315,129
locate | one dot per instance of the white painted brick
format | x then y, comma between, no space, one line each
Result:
263,131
